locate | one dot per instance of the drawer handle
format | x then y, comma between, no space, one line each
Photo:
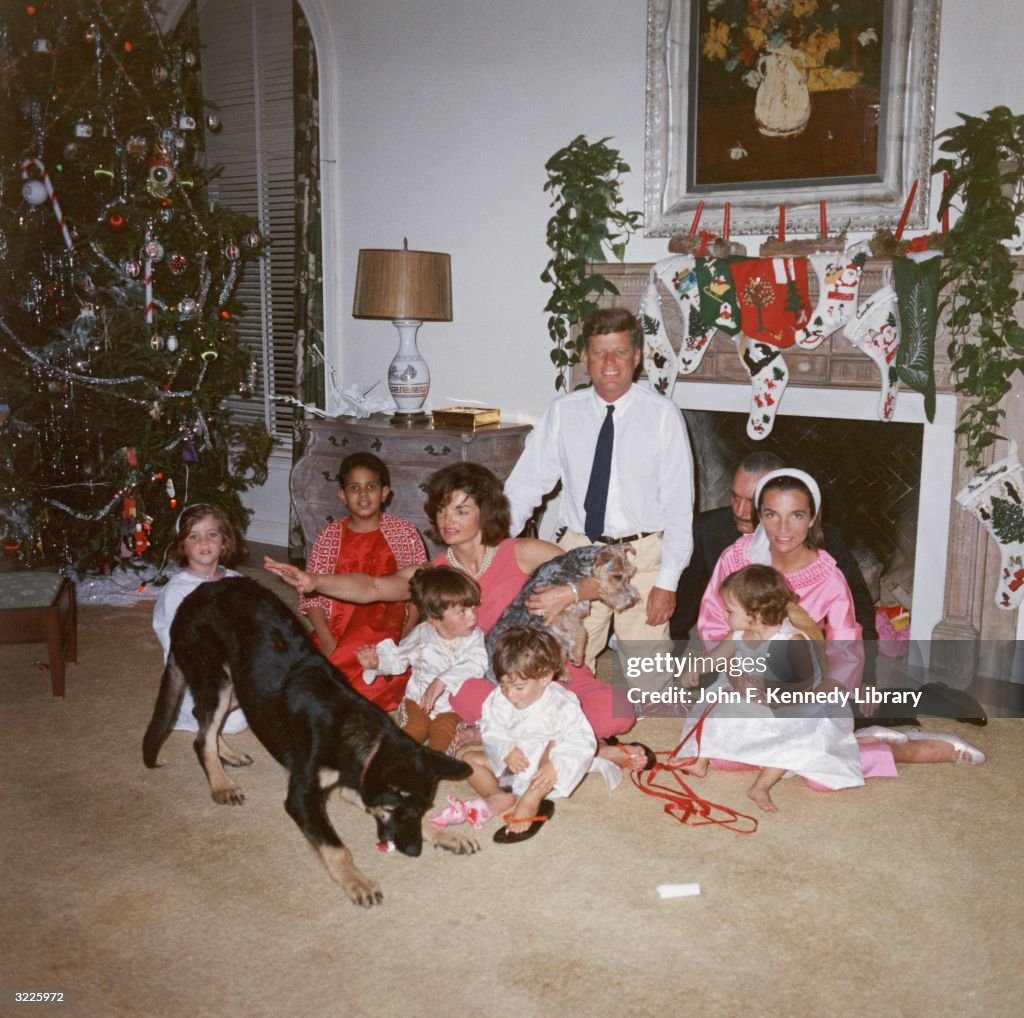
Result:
803,366
376,445
434,452
333,439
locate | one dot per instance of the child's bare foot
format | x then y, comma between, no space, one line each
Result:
695,768
762,797
499,802
526,808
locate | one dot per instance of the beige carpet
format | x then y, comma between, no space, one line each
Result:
132,891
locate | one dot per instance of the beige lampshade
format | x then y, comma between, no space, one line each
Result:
403,284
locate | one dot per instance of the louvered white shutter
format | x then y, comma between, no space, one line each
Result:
247,74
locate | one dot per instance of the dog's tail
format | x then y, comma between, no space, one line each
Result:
168,701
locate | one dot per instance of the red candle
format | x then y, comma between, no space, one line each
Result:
906,210
823,216
945,211
696,219
725,221
782,222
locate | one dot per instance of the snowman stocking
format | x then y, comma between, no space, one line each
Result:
718,308
659,358
996,497
680,277
768,378
916,279
838,286
874,330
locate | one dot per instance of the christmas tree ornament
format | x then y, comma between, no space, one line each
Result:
225,314
160,176
128,46
187,123
213,123
91,33
232,251
189,453
160,73
996,497
165,215
177,262
209,351
169,488
184,180
116,222
156,341
41,45
188,58
103,173
49,193
33,192
252,240
136,146
83,129
172,343
875,331
140,540
132,268
188,308
152,250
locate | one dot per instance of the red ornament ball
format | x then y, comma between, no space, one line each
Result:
116,222
225,314
30,10
128,46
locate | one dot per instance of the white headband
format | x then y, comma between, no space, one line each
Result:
810,482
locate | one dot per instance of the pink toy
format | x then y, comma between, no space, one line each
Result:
472,811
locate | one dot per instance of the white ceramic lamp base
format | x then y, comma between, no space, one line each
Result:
408,376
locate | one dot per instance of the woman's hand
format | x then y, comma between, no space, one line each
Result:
547,602
303,582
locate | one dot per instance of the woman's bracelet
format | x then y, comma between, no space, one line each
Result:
575,592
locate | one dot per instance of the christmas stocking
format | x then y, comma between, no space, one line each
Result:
874,331
659,358
995,497
916,279
680,277
838,286
718,308
768,378
773,298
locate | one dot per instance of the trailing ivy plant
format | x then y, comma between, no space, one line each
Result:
985,163
584,180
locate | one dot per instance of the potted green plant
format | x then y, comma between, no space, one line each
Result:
588,222
985,163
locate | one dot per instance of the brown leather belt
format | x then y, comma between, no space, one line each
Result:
628,539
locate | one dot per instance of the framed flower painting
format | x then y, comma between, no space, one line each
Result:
762,103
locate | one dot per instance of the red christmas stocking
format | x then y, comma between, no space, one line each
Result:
838,286
773,298
996,497
876,332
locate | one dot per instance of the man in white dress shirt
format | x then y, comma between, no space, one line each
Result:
648,502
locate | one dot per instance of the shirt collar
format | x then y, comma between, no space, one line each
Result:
621,404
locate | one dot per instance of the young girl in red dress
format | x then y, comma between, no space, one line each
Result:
371,541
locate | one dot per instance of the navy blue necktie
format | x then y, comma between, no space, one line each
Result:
600,474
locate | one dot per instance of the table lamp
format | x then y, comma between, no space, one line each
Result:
409,287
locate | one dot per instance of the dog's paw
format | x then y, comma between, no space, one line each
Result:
361,890
454,841
232,796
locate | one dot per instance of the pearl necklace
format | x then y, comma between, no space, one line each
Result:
489,554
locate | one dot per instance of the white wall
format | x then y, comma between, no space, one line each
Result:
439,116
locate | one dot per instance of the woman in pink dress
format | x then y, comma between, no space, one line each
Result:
471,516
789,537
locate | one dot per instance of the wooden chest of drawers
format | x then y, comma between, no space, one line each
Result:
412,455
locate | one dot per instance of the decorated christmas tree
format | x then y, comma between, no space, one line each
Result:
117,340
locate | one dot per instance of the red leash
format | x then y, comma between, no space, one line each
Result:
682,802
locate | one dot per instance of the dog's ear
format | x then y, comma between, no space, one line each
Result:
444,766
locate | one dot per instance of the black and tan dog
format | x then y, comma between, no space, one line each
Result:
233,637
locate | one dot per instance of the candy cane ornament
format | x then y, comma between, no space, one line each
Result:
50,194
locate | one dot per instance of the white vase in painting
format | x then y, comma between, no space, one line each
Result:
783,104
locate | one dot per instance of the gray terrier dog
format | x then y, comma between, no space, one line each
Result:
608,564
